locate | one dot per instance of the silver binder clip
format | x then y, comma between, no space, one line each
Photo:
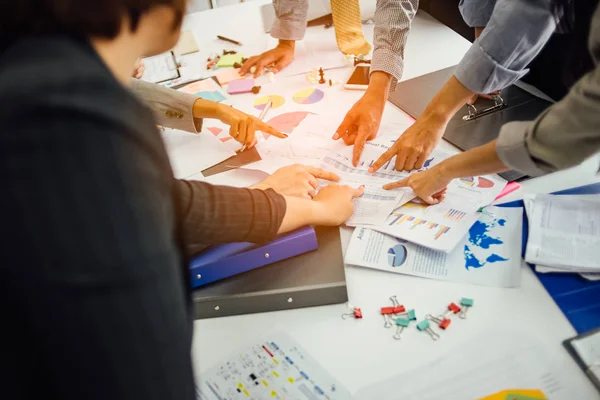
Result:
474,113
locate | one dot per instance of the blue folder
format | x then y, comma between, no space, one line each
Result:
226,260
578,298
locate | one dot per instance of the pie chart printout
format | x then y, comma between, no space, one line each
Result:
309,96
261,102
397,255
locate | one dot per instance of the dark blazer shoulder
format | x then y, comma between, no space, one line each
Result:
60,72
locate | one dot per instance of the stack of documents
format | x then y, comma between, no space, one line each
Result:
564,234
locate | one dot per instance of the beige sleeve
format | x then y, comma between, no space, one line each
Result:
173,109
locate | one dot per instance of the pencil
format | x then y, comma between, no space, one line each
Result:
261,117
228,40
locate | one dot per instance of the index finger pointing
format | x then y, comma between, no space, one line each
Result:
359,144
322,174
397,184
385,157
269,129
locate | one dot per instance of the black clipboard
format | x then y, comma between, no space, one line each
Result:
312,279
474,126
575,354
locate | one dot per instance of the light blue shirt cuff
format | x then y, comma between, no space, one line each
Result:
479,73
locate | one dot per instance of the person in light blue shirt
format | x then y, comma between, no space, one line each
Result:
515,32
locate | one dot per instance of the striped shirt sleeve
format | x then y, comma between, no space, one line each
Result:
393,19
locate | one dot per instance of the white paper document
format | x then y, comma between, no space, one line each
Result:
160,68
376,204
442,226
493,365
564,232
273,367
439,227
191,153
489,255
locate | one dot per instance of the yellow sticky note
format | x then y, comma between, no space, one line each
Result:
241,385
275,361
246,393
276,374
265,383
291,380
273,393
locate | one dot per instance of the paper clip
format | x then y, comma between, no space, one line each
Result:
474,113
442,323
356,314
401,323
466,303
424,326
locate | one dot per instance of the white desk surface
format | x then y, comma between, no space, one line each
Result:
360,353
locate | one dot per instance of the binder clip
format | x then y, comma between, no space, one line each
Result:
398,308
424,326
387,312
466,303
355,314
452,309
486,212
401,323
410,314
443,323
474,113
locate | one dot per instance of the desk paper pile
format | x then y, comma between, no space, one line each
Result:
564,234
489,255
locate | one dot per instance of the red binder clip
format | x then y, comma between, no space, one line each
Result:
398,308
452,309
443,323
355,314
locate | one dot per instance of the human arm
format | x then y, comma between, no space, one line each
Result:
221,214
516,32
392,26
184,111
430,184
290,25
563,136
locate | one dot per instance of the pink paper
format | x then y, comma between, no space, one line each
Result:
240,86
228,75
509,188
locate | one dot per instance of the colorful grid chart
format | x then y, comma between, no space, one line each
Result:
404,219
455,215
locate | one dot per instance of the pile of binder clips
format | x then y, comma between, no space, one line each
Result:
397,315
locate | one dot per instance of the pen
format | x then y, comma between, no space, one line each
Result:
228,40
262,115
